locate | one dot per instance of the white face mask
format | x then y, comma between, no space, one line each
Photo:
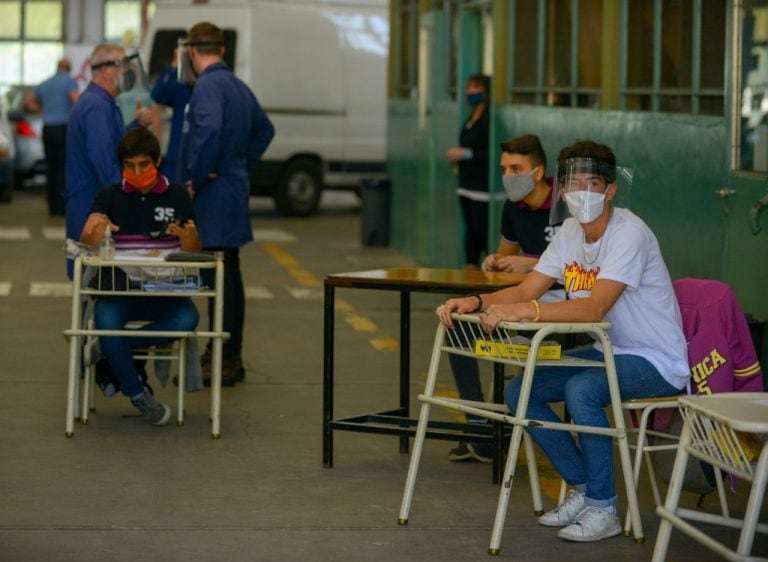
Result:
518,187
585,206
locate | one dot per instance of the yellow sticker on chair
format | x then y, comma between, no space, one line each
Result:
738,446
516,350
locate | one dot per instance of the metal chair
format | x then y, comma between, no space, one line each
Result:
156,278
720,430
501,348
704,303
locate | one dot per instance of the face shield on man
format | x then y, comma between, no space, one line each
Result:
130,75
582,189
185,72
134,78
133,84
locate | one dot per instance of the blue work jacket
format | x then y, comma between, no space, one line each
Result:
93,133
225,132
94,130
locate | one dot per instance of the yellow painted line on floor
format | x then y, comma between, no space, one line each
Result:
359,323
342,306
304,278
384,344
289,263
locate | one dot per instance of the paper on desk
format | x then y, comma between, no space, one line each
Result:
159,275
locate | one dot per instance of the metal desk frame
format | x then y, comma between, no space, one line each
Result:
446,341
397,421
77,333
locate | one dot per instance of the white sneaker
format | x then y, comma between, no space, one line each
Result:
565,513
592,524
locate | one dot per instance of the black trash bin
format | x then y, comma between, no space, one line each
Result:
375,214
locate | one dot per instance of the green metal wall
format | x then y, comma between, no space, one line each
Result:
678,162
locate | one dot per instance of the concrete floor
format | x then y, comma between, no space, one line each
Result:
122,490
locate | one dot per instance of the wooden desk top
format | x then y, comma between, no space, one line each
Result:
425,279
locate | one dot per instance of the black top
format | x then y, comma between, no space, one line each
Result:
137,213
473,173
528,227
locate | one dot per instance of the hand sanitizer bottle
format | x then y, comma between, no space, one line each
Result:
107,246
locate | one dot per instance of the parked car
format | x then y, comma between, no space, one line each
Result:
6,157
27,130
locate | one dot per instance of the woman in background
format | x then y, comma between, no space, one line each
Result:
472,158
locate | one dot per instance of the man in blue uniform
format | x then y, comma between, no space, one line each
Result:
225,131
93,133
55,98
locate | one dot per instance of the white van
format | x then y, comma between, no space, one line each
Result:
319,71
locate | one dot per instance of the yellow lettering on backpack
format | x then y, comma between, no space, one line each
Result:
701,371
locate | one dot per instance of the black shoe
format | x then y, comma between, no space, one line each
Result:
481,452
460,453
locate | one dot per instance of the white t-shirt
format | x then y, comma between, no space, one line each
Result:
646,317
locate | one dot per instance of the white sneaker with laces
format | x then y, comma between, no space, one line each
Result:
592,524
565,513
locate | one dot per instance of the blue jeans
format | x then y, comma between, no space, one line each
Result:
585,392
112,313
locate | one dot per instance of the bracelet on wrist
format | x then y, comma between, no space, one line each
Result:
479,306
538,310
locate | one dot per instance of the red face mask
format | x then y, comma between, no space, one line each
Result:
143,180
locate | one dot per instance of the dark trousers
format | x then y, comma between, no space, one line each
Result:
234,302
54,143
475,215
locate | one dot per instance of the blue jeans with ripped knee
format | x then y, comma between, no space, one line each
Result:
585,393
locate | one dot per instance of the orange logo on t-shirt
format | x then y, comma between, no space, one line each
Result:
576,278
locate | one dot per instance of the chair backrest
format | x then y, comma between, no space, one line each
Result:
722,358
721,353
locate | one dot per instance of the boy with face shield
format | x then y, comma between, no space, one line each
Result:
611,266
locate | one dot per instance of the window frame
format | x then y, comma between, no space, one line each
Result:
23,42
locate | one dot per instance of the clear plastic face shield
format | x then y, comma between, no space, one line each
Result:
184,70
131,78
584,186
